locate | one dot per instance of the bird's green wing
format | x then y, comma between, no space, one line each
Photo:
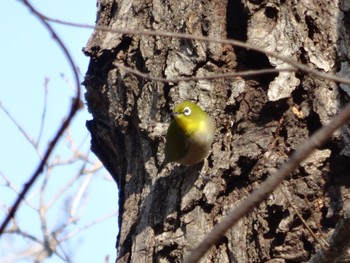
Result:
175,146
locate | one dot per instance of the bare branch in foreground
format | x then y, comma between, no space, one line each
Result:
338,242
208,77
267,187
142,32
75,106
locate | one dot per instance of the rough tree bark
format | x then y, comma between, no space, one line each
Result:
260,122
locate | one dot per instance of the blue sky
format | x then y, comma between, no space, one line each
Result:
29,56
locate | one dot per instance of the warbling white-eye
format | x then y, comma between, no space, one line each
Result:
189,135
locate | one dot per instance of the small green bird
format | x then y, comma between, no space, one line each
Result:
189,135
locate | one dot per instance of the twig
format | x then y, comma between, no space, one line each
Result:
16,230
67,81
20,128
209,77
92,223
79,195
132,31
13,188
96,166
322,242
266,188
338,242
42,211
65,256
63,189
83,141
317,220
43,115
75,106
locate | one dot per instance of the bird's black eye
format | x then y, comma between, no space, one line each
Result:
187,111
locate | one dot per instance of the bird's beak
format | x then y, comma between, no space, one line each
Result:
174,114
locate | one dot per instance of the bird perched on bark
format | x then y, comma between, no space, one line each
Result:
190,134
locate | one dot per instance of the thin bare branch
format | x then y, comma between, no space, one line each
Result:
317,221
68,184
71,160
62,190
65,256
83,141
79,195
13,188
43,114
321,242
338,242
20,128
92,223
267,187
76,150
208,77
132,31
75,106
16,230
43,210
69,83
97,166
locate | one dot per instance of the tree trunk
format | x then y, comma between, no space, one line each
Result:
260,122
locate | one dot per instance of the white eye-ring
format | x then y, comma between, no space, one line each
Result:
187,111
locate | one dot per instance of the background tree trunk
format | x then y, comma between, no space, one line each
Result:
260,122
